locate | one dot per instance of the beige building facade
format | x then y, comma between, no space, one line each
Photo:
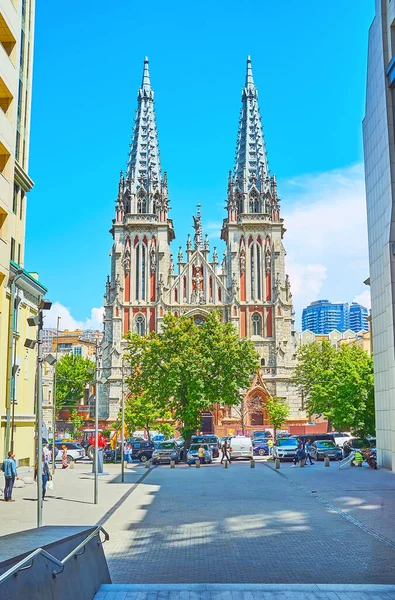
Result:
20,290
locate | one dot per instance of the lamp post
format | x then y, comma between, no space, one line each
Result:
54,397
37,321
123,424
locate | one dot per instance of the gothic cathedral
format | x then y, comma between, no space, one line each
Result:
249,286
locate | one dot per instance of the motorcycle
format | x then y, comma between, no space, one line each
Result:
370,457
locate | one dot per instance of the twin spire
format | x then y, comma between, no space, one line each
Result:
144,170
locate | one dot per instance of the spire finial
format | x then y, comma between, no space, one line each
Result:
197,225
146,83
249,77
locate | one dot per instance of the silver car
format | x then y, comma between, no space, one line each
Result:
165,452
285,448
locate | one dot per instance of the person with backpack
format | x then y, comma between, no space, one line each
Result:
10,474
307,449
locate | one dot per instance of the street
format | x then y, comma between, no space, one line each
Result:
235,525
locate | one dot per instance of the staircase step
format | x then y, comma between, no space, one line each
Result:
202,591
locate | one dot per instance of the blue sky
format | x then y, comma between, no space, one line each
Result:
309,63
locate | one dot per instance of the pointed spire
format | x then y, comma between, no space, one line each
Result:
144,169
251,165
146,83
249,76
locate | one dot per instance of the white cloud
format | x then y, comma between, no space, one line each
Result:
67,321
326,239
364,299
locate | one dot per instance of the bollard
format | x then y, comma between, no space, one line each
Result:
302,462
71,464
225,464
278,463
172,464
252,463
197,463
146,464
327,461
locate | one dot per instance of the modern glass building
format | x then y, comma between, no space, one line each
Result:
322,317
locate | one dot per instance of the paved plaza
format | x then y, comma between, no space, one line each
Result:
238,525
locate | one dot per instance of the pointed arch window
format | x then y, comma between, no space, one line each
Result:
140,325
252,271
258,271
143,261
256,324
142,203
137,271
254,203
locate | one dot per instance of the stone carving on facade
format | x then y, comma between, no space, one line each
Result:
206,243
234,285
215,256
287,287
126,259
189,243
242,258
152,258
171,266
268,260
197,225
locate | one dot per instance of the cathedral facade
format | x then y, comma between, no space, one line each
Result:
248,284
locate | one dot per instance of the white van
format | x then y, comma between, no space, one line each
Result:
240,447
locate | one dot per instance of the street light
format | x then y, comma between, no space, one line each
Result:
55,381
37,321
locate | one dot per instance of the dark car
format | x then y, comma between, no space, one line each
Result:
359,444
317,437
165,452
322,448
211,440
260,447
142,450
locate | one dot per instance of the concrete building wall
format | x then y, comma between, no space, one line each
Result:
379,151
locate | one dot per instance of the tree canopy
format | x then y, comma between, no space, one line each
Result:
142,413
337,384
187,368
72,375
277,411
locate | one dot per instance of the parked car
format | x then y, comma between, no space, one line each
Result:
341,438
285,448
261,434
240,447
192,454
315,437
322,448
74,451
211,440
260,447
142,450
165,452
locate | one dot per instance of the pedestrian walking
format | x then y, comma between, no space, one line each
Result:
47,453
201,454
300,453
270,445
45,474
224,451
65,464
307,449
10,474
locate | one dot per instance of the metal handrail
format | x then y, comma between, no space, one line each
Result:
22,565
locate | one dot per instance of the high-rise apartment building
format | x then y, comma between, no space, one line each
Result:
20,290
379,151
321,317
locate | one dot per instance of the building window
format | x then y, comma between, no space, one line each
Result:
252,269
15,198
22,201
12,249
137,271
77,351
143,273
3,216
140,325
262,362
19,254
258,270
256,324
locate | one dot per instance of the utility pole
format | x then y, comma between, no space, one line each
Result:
54,397
96,469
123,425
40,420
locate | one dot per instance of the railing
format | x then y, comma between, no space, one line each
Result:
78,550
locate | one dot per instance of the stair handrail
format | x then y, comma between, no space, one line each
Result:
22,564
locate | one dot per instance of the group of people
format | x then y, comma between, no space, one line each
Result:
9,469
303,452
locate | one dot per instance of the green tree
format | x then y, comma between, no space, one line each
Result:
77,422
278,411
186,368
72,375
337,384
142,413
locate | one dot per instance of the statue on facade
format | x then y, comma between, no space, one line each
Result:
197,225
126,259
242,259
152,258
268,260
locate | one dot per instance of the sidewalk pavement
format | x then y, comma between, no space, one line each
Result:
71,500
